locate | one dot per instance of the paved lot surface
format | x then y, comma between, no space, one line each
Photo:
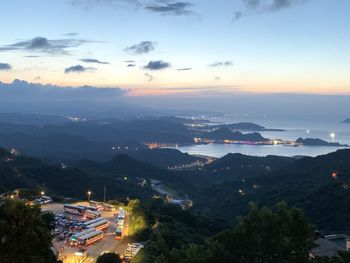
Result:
108,243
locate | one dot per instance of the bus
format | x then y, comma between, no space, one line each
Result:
89,207
107,207
120,222
95,204
121,214
118,232
74,209
100,225
73,240
90,238
92,214
90,222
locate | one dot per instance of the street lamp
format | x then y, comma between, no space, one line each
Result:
89,194
42,193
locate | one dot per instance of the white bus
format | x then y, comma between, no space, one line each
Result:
74,209
121,214
73,240
91,208
92,214
87,223
90,238
100,225
120,222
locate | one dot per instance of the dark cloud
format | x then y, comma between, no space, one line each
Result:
171,8
129,61
44,45
184,69
78,69
141,48
131,65
92,60
252,3
237,15
163,7
32,56
20,91
71,34
221,64
5,66
157,65
263,6
149,77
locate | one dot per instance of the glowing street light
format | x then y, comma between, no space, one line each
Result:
89,195
42,193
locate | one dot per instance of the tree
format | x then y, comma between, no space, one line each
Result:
280,235
24,234
109,258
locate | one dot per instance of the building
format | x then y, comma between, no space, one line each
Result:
330,245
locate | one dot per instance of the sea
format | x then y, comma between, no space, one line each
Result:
305,127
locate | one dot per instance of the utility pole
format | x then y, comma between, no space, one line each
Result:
104,194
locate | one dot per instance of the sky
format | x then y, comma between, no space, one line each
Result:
179,47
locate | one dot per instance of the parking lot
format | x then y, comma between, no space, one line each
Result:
107,244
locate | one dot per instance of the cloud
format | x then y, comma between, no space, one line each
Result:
184,69
131,65
71,34
5,67
129,61
44,45
157,65
237,15
221,64
217,78
163,7
78,69
91,60
27,92
32,56
171,8
266,6
149,77
141,48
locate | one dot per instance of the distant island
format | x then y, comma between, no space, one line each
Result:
247,126
227,134
318,142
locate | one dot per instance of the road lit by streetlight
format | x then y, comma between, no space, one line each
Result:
89,195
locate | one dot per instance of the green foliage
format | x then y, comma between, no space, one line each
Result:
24,234
138,226
264,235
109,258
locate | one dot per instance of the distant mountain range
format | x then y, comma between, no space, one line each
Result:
319,185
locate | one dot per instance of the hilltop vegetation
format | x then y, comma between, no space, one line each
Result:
25,234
